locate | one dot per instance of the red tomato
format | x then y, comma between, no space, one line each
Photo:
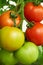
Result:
35,34
6,20
33,12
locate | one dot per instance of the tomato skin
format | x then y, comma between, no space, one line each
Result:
28,50
35,34
7,58
7,21
12,38
33,12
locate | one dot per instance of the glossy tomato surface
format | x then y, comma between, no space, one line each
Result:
27,54
12,38
7,58
7,20
35,34
33,12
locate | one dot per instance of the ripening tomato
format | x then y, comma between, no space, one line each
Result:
6,19
12,38
35,34
33,12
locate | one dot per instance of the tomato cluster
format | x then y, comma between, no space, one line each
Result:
34,14
17,47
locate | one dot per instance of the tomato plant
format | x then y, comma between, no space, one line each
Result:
8,20
33,12
12,38
35,34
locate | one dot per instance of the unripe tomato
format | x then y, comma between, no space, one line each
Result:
28,53
8,58
12,38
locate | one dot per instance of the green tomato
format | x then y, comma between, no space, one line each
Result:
12,38
40,58
28,53
8,58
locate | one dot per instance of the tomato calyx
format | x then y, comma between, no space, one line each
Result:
30,24
13,16
36,2
16,18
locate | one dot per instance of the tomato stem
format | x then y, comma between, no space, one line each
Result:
37,2
17,7
30,24
13,15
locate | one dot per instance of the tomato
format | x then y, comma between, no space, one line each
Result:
33,12
40,59
27,54
8,58
6,20
12,38
35,34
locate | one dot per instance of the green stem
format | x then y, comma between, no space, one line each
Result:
13,16
37,2
30,24
21,11
41,0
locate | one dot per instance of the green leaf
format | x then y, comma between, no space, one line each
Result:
2,3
